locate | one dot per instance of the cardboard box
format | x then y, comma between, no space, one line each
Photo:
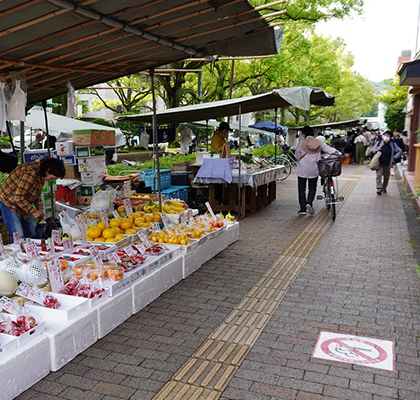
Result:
46,200
66,195
89,151
94,137
72,172
68,160
91,164
84,201
89,190
93,177
47,186
65,148
37,155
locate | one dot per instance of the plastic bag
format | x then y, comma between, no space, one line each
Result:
17,105
5,95
69,225
186,139
144,139
115,156
102,201
71,101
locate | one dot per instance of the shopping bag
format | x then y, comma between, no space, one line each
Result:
374,163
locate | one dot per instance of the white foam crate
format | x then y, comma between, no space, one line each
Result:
116,287
192,261
138,273
146,290
7,344
24,366
94,301
172,272
28,335
114,311
70,338
70,307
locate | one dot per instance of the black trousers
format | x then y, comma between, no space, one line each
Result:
303,200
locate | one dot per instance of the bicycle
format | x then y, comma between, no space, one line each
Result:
285,160
330,168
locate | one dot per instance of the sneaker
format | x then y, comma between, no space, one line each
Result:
310,209
383,190
379,191
302,212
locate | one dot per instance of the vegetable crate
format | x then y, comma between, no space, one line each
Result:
177,192
165,178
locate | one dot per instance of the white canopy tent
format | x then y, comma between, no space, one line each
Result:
63,127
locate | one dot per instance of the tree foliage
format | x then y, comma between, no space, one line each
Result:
395,98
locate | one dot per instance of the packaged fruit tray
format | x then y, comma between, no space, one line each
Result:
28,333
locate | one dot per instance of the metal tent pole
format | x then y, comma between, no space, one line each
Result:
275,135
22,141
155,138
44,106
239,175
207,135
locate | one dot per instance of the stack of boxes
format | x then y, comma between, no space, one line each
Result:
48,199
84,159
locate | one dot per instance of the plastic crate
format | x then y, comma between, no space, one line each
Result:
165,178
177,192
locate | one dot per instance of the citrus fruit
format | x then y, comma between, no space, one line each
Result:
99,239
116,229
108,233
129,231
101,225
114,223
111,240
130,217
94,232
89,239
139,220
148,218
157,218
126,224
119,236
121,209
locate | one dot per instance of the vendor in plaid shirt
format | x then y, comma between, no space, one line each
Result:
20,195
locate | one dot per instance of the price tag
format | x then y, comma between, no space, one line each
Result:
55,276
104,218
95,256
140,247
68,245
81,223
129,251
56,236
127,189
30,293
127,205
115,214
165,220
155,227
184,217
114,257
51,246
142,236
16,237
190,216
11,306
30,249
210,209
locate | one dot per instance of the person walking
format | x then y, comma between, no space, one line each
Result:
390,151
398,140
20,195
308,153
360,142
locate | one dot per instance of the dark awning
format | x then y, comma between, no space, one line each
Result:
302,97
93,41
410,73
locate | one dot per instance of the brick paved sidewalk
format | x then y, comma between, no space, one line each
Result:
346,286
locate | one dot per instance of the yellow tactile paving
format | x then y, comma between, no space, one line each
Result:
209,370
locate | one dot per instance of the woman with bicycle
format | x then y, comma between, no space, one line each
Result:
308,153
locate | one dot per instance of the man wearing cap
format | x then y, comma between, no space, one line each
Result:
308,153
219,138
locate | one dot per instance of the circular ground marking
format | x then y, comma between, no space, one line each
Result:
357,351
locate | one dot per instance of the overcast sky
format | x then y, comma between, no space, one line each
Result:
377,38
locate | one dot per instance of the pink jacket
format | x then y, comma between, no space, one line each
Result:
308,163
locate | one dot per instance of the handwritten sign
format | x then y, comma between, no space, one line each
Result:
129,251
16,237
11,306
127,205
55,276
30,249
114,257
165,221
127,189
115,214
95,256
56,236
155,227
210,209
30,293
68,245
140,247
81,223
104,218
184,217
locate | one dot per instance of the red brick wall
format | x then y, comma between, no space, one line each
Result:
414,126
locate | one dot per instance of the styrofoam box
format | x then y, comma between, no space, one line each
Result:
192,261
65,148
91,164
94,301
172,272
116,287
152,264
7,344
146,290
114,311
137,273
70,307
70,338
29,335
24,367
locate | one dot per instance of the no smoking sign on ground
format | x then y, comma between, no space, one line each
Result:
357,350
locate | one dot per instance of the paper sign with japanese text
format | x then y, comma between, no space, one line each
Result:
114,257
68,245
95,256
129,251
30,293
210,209
30,249
165,221
127,205
55,276
104,218
9,305
56,236
16,237
140,247
115,214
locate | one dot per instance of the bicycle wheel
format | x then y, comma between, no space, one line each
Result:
333,198
287,167
327,193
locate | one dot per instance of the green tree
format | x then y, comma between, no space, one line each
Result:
395,98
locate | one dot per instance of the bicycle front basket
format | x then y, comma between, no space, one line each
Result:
329,167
